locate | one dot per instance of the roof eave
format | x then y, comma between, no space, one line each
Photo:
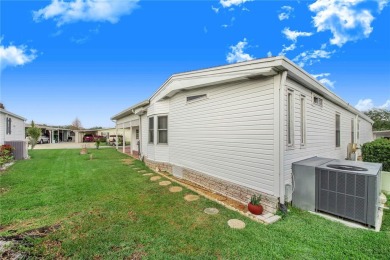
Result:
12,114
129,110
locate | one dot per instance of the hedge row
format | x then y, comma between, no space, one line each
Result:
377,151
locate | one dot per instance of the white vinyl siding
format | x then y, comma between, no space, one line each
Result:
126,120
320,130
2,128
229,135
18,132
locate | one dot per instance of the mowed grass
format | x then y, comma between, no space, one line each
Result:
108,210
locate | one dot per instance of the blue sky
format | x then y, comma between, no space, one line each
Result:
91,59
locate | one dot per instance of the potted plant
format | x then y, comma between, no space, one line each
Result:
254,205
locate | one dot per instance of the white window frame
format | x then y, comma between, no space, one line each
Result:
151,130
338,131
161,129
320,102
303,121
290,118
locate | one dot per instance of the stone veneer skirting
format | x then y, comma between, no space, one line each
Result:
226,188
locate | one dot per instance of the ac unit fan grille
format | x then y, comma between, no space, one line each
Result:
342,194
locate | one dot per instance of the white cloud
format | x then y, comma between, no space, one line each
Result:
293,35
386,105
79,40
382,4
321,75
269,54
287,48
237,53
215,9
311,57
344,19
12,56
205,29
287,10
229,3
85,10
245,9
367,104
364,104
323,80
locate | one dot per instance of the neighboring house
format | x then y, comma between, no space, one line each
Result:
12,128
236,129
382,134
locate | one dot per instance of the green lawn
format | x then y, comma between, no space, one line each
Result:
108,210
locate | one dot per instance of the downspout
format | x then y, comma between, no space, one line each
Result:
282,118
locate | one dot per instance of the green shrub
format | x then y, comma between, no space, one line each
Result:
6,155
377,151
255,200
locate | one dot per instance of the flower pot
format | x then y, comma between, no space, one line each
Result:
255,209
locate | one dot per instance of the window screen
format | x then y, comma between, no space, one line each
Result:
162,129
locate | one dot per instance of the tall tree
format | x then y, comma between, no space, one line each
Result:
381,118
76,124
34,133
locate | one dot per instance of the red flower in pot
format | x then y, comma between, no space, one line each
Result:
254,205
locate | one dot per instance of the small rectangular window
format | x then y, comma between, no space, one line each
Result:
337,130
317,101
196,97
8,126
151,129
137,134
303,121
352,131
290,118
162,126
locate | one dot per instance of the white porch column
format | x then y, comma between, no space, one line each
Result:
123,138
116,133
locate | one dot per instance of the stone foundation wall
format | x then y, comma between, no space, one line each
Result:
226,188
231,190
160,166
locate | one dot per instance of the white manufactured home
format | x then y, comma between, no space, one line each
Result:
237,129
12,131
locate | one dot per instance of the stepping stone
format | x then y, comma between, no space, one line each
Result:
142,171
211,211
236,223
175,189
164,183
136,169
155,178
191,197
147,174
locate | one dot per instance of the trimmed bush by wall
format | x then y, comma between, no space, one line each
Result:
377,151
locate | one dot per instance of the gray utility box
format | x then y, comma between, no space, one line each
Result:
347,189
304,174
